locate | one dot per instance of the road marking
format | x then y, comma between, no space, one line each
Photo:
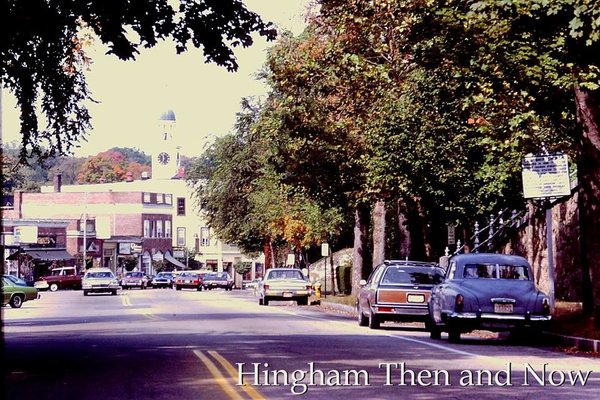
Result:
219,378
249,389
125,300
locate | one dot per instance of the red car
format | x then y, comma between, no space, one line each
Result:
188,280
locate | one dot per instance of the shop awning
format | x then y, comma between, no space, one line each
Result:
173,261
44,254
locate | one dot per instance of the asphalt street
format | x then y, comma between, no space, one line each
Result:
167,344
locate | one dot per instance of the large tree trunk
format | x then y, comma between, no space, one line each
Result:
378,233
360,252
424,230
588,167
403,230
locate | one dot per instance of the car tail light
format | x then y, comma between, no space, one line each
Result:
266,286
308,287
385,309
546,306
459,302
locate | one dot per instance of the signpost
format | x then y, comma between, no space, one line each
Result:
546,176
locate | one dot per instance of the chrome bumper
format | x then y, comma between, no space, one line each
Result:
498,317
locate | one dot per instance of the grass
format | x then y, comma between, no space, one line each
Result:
568,317
569,320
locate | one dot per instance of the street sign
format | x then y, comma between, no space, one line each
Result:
546,176
324,249
451,234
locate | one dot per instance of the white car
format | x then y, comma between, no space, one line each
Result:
284,284
98,280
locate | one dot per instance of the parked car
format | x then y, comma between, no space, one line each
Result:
284,284
163,280
60,278
16,280
133,279
487,291
217,280
397,290
16,294
98,280
188,280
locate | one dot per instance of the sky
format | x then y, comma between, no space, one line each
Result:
204,97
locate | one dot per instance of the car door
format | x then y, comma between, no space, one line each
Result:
367,295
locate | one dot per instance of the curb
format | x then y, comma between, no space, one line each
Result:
581,344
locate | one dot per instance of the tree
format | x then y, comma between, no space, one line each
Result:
42,52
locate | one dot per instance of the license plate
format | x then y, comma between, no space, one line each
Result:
503,308
287,294
415,298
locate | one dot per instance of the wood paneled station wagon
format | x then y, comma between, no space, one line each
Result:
397,290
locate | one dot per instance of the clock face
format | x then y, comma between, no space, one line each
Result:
163,158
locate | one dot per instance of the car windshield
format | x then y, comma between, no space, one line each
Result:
188,275
164,275
99,275
496,271
133,275
412,275
287,274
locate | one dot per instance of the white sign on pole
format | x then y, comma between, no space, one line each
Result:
451,234
291,259
324,249
546,176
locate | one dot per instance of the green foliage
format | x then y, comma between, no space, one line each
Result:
43,52
242,267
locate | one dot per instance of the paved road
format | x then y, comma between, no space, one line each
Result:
163,344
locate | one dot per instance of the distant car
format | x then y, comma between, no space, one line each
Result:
98,280
217,280
397,291
16,294
284,284
134,279
60,278
163,280
493,292
188,280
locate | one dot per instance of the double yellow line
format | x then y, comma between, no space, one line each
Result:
225,382
127,303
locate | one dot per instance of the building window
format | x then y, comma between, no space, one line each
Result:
168,198
181,237
89,224
146,228
159,228
146,197
181,206
160,198
167,229
204,236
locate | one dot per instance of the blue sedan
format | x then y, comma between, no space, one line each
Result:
493,292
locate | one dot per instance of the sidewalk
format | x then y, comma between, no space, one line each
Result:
563,341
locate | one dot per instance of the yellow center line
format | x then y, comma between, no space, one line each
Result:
249,389
125,301
219,378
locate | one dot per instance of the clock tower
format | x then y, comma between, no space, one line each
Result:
165,158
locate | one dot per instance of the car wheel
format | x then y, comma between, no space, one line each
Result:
362,319
114,293
453,336
199,288
261,302
434,331
16,301
303,301
177,287
53,287
266,301
85,292
374,322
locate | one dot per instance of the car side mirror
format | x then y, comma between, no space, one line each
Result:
362,282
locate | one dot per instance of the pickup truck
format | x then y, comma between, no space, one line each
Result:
60,278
